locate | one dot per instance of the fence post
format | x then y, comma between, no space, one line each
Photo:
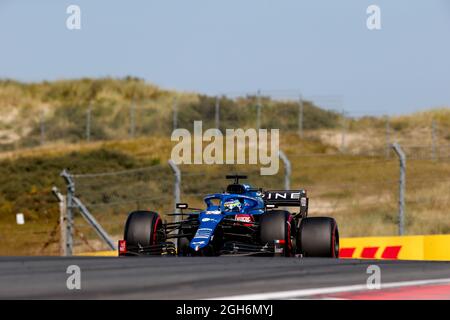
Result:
177,185
300,116
258,110
69,210
287,170
175,113
93,223
217,113
401,202
176,192
62,221
73,202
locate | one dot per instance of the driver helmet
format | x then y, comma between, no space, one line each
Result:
232,205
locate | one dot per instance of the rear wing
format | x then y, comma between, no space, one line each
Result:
287,198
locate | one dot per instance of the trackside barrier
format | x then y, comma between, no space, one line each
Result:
435,247
72,202
109,253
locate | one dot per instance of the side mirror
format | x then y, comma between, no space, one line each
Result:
181,206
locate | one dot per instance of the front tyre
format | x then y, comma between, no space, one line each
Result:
143,228
318,237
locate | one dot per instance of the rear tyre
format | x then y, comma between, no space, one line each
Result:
143,228
278,225
318,237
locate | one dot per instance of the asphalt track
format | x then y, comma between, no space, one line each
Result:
194,277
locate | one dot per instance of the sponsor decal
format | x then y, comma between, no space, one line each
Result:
203,233
122,246
244,218
283,196
213,212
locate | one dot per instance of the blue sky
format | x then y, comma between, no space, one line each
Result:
320,48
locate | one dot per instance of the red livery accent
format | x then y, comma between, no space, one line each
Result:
346,252
391,252
290,249
245,218
155,231
122,247
369,252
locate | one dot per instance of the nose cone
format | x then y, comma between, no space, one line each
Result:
197,245
208,224
201,238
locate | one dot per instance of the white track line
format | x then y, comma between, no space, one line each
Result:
329,290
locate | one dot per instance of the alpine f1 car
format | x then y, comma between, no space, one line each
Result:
242,220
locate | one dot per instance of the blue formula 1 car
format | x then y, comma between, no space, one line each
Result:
242,220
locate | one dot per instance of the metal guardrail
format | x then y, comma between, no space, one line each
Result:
67,216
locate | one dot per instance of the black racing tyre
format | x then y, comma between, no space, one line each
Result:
278,225
318,237
143,228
